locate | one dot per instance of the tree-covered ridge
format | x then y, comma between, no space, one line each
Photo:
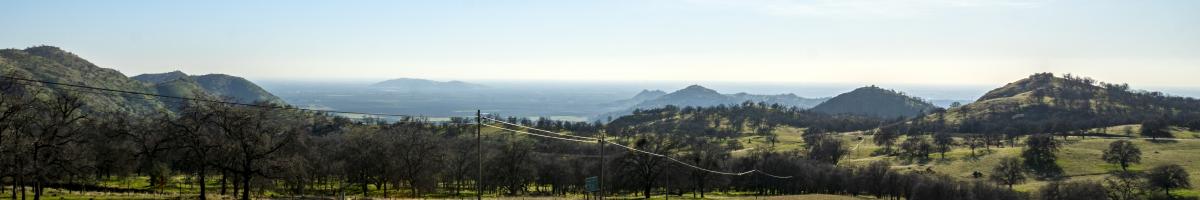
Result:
1047,103
52,64
216,85
700,96
877,102
735,120
49,63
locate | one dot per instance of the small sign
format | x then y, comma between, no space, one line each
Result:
592,184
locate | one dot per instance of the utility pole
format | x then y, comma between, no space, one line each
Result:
758,183
479,154
602,141
667,196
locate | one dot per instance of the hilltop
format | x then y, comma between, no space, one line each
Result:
694,95
876,102
1047,103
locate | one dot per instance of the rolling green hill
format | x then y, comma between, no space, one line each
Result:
48,63
215,85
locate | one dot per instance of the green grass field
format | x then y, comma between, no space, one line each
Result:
1080,158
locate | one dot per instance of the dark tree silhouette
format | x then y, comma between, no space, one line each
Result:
1009,172
826,149
1167,177
1039,155
1155,129
944,142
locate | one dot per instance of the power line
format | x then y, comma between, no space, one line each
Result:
189,99
637,150
538,134
681,162
772,175
545,131
698,167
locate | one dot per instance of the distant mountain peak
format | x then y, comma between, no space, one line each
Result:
875,101
695,87
696,90
648,94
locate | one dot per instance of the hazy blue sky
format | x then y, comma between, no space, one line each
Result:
985,42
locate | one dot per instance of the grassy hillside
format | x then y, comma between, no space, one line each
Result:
1045,103
240,89
1080,158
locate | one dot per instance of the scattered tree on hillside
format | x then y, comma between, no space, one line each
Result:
975,141
1123,153
826,149
1155,129
1009,171
1123,185
944,142
886,139
1039,155
1167,177
917,148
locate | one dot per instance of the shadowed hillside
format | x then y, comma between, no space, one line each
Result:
876,102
